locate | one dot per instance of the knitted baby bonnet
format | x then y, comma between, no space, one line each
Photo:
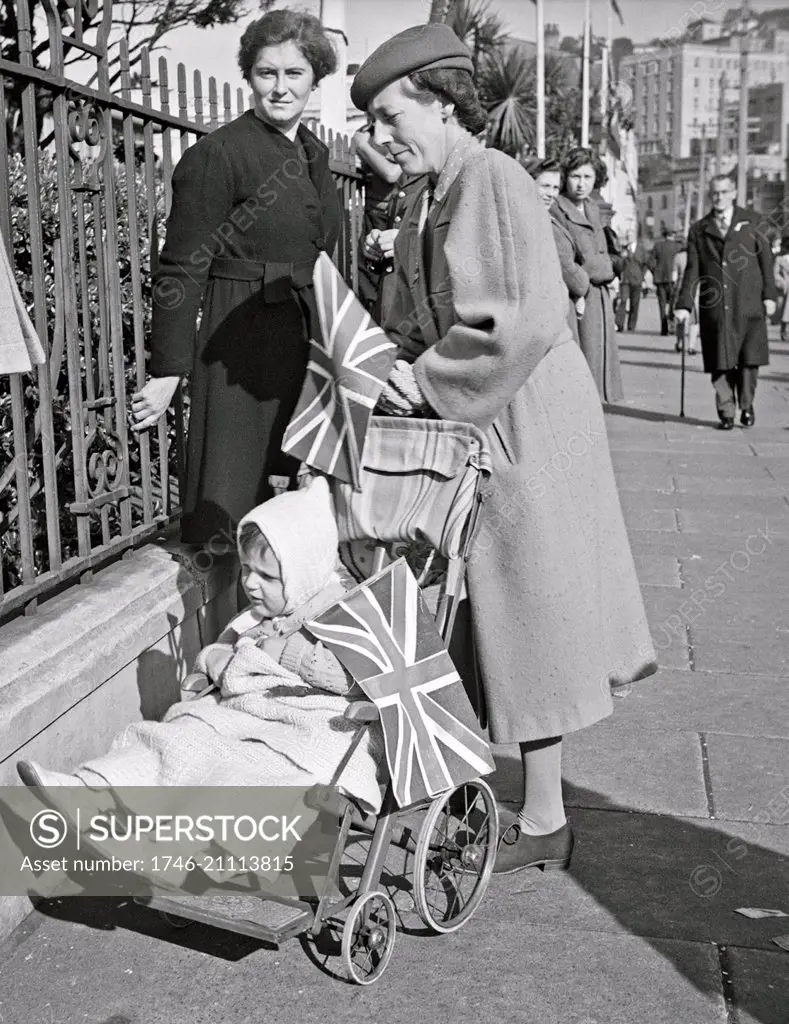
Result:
300,529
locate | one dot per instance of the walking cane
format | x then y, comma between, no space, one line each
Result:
682,374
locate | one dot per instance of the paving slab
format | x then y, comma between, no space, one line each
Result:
740,466
643,479
769,506
658,877
720,522
640,517
624,766
743,705
749,779
728,486
760,982
658,570
551,976
748,656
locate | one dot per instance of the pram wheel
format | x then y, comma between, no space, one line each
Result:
368,937
454,855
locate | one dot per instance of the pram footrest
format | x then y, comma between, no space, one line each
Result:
265,919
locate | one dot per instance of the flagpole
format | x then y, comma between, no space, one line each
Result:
606,73
540,22
585,78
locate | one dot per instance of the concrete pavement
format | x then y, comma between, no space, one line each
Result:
680,802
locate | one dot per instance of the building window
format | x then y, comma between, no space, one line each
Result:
695,83
649,203
664,202
697,63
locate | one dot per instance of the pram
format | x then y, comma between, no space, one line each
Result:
422,488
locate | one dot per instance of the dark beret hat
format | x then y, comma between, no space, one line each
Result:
420,48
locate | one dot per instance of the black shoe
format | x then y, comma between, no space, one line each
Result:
726,423
747,419
678,346
518,851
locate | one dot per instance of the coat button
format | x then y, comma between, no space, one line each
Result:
320,243
397,220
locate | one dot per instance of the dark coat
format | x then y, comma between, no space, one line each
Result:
735,276
376,279
251,211
662,260
596,331
480,310
575,278
633,266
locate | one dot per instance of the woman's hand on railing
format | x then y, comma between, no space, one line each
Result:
150,404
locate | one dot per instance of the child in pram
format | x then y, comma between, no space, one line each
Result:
272,699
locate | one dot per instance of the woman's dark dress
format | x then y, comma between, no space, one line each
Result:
251,211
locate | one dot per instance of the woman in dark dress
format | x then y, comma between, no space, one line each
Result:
253,205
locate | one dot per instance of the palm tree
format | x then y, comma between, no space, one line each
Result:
507,85
480,29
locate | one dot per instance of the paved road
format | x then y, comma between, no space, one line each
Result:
680,801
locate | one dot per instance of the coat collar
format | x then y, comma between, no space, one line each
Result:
583,218
459,153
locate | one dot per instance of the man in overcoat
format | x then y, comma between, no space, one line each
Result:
732,265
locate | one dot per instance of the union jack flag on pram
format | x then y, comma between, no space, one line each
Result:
348,367
384,635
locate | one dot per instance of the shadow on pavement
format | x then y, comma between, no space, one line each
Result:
657,417
670,881
689,367
667,351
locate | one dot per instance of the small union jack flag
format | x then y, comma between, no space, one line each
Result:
384,635
346,372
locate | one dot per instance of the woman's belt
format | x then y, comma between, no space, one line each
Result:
279,279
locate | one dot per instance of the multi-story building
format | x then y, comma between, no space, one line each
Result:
676,90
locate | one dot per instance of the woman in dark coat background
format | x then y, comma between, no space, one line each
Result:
547,176
253,205
578,213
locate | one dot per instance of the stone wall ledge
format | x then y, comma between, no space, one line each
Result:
78,640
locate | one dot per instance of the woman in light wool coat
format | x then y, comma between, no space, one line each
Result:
479,314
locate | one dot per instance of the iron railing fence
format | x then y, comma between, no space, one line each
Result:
83,204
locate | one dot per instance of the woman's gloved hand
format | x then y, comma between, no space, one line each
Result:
401,395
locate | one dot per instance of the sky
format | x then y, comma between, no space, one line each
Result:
369,22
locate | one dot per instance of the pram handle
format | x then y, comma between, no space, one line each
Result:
361,711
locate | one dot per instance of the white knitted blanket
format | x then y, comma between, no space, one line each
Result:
265,727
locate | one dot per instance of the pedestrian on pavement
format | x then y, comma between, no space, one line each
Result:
578,214
661,265
547,176
479,314
731,263
630,285
686,330
253,204
782,284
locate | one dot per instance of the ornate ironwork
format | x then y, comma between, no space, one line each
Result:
86,124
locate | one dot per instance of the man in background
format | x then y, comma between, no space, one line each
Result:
634,264
661,265
731,263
